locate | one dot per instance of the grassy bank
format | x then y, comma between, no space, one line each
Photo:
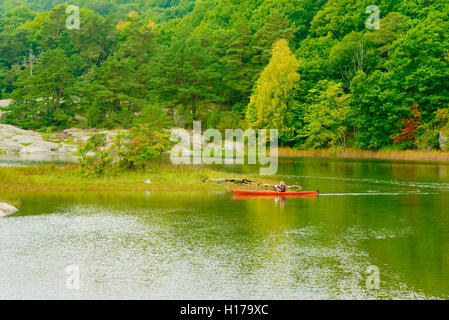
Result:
68,178
404,155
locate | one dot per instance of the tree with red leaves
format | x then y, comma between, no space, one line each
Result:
409,127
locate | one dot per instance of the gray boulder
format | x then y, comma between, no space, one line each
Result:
6,210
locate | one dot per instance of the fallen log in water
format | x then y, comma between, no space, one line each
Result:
247,182
233,181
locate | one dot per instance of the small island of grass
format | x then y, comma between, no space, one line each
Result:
51,177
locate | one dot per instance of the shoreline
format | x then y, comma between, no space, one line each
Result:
349,153
47,177
63,145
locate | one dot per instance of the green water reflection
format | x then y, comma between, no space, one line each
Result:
205,246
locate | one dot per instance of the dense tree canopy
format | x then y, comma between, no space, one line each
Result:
272,102
309,68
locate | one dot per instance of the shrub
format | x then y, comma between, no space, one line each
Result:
95,159
136,149
428,134
142,146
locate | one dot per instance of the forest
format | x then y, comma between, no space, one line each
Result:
309,68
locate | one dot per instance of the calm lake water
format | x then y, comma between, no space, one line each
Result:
393,216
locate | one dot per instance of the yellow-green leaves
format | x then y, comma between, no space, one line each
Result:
272,97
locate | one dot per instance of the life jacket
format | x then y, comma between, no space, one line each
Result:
282,188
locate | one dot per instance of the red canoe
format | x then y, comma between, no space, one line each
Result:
274,193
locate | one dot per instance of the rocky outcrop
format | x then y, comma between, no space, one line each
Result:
6,210
66,142
27,142
201,144
13,139
443,140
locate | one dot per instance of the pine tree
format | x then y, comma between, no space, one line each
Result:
276,27
239,71
184,76
43,98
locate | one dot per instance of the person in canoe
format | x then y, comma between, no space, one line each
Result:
281,187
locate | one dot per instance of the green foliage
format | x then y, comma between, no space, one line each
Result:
43,94
326,116
222,120
428,133
415,71
96,159
169,62
184,74
427,138
135,149
153,116
271,104
143,146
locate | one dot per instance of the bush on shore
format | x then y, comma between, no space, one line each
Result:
136,150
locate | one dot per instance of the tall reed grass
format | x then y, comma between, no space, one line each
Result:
404,155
